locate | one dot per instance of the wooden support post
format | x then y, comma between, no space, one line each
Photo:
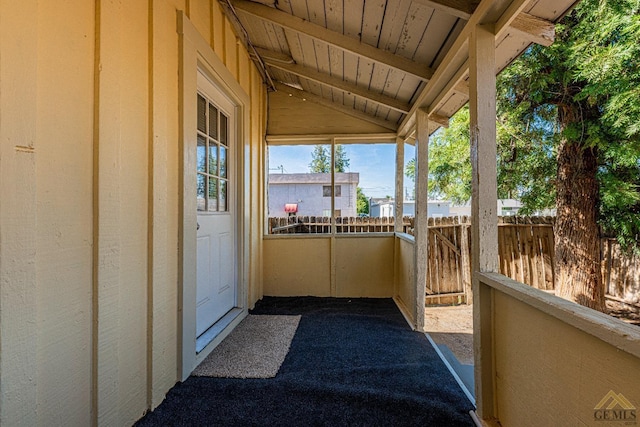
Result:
465,265
399,198
332,216
484,220
421,226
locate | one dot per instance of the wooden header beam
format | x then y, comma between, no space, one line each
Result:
306,96
462,9
538,30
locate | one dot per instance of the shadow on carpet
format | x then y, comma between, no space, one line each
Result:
352,362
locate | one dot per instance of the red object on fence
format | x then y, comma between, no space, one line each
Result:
291,207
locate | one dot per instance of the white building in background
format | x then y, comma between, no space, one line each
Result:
386,208
443,208
309,194
506,207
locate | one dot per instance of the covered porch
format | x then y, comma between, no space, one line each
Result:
103,185
538,359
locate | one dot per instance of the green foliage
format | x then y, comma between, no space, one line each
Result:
362,202
321,159
449,163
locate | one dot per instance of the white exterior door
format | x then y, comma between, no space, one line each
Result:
216,292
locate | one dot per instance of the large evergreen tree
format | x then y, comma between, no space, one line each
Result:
579,99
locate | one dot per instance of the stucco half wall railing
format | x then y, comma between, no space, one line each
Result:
558,363
370,265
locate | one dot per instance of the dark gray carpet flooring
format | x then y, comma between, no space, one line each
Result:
352,362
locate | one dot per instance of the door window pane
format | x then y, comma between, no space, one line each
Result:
223,129
223,162
202,154
223,196
202,113
201,192
213,122
212,158
213,194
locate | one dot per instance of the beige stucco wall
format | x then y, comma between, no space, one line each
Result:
299,266
89,203
364,266
549,373
342,266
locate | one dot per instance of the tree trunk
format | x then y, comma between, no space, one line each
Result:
577,235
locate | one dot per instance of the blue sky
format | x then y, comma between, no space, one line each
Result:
374,162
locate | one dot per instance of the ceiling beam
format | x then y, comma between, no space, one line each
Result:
458,8
456,81
439,119
537,30
462,87
333,38
306,96
274,56
334,82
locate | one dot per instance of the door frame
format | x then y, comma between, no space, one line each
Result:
196,54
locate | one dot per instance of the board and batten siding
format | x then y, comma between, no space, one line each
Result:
90,206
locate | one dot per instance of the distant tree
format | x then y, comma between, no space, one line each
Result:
321,159
362,202
342,161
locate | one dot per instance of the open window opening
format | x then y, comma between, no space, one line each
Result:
331,186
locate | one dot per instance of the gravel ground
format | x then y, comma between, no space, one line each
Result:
624,312
452,326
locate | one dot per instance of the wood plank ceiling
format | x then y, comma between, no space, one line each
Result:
381,60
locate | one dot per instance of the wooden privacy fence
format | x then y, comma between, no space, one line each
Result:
526,254
449,271
621,272
322,224
525,250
